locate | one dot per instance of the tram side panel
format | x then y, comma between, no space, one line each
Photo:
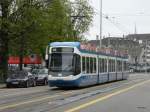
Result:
112,72
89,71
126,70
103,70
119,69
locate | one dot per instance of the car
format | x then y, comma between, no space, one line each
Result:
41,76
21,79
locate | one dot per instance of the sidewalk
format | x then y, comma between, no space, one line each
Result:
2,86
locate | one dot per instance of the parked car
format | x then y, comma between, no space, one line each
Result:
35,71
21,79
41,76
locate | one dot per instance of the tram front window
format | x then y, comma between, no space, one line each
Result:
64,64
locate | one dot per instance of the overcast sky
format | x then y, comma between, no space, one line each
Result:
122,17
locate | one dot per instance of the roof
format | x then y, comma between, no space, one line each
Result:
139,36
26,60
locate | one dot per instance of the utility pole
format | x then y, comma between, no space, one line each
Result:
101,11
108,40
135,29
146,57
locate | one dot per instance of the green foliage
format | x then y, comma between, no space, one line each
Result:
37,23
27,26
82,15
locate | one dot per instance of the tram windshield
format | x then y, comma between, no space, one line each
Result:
64,64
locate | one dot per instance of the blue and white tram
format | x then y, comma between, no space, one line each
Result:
71,66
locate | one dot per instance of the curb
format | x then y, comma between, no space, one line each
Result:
2,86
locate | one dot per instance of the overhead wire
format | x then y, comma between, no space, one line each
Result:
118,25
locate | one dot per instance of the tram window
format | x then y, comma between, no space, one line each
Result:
113,65
67,63
87,65
94,71
91,65
118,66
100,65
77,65
83,64
105,65
109,66
125,66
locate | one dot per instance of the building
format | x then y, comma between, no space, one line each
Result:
122,44
144,42
137,37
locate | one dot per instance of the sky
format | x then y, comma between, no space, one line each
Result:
120,17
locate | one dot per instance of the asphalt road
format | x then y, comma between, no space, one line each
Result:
130,95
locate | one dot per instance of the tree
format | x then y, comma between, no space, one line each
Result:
4,24
27,26
18,19
82,15
26,18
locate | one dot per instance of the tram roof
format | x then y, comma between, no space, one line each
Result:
71,44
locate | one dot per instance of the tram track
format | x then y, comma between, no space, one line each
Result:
87,94
56,95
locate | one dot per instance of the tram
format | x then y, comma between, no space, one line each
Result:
75,64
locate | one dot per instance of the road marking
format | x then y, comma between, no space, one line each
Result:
18,94
71,92
106,97
33,101
27,102
2,107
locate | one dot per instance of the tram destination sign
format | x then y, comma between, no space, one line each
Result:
63,49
